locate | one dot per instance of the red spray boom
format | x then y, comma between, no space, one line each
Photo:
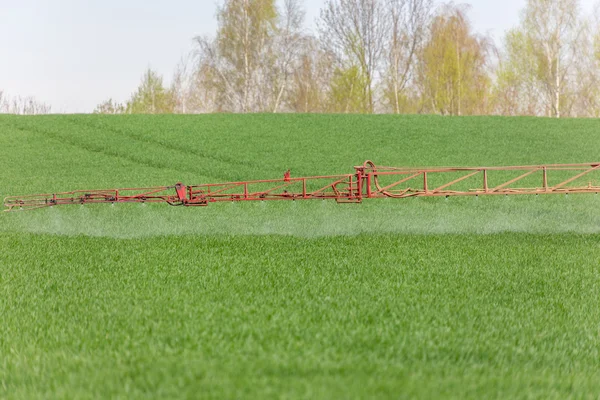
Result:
367,182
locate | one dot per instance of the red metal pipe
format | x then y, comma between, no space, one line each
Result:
365,182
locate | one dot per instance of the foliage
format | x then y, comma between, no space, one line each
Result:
545,50
411,58
109,106
408,23
516,91
312,75
241,55
22,105
453,75
355,32
349,91
151,97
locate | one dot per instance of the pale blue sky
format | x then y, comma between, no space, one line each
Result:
73,54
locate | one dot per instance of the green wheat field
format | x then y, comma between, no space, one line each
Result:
490,297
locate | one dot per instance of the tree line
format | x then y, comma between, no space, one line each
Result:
382,56
22,105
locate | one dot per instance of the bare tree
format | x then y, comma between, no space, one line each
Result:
191,87
22,105
554,28
212,76
238,53
311,78
586,82
109,106
287,46
409,20
355,31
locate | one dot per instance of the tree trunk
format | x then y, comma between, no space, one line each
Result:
278,98
369,93
396,65
349,97
458,69
557,94
306,97
246,57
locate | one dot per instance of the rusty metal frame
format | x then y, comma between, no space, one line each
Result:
348,188
159,194
375,190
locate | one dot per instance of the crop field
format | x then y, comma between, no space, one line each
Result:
490,297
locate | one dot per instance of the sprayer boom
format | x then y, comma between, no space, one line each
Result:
367,182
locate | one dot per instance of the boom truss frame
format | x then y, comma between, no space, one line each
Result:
367,182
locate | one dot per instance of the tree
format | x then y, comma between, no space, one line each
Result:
109,106
237,57
408,28
347,91
287,46
517,90
151,97
181,89
586,82
22,105
544,50
453,67
311,79
354,31
554,29
212,79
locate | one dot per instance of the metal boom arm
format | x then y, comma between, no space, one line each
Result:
367,182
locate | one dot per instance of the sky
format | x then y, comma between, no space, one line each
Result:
74,54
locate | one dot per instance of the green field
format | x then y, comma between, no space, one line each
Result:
416,298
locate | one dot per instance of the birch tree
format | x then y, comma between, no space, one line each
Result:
517,90
286,50
151,97
453,73
182,88
236,57
311,79
409,20
355,31
554,28
348,86
586,80
550,33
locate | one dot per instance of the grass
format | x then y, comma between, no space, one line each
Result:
400,316
464,298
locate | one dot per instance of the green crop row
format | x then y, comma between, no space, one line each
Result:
490,297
